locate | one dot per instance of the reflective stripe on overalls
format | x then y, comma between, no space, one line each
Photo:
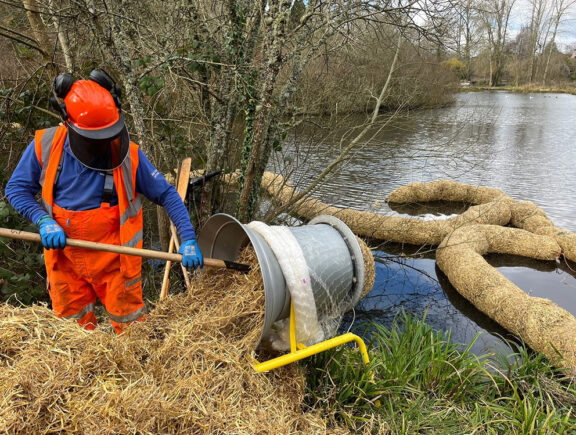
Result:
78,276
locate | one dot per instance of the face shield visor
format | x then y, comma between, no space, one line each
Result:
103,149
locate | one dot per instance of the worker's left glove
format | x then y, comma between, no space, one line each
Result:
191,255
52,234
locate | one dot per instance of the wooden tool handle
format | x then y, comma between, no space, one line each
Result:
145,253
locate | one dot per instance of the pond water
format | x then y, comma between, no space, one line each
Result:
523,144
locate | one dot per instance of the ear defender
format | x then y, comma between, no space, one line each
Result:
60,88
107,82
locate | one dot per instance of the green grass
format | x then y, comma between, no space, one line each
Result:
418,381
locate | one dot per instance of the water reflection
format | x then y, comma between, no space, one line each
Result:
433,209
544,279
416,285
522,144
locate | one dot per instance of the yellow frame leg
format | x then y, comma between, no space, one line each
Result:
299,351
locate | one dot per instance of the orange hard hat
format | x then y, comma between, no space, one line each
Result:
97,133
90,106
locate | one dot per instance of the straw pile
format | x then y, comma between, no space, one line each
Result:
185,369
546,327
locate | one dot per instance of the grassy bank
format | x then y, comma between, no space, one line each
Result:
419,381
525,89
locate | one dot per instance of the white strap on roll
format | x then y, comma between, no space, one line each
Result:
295,270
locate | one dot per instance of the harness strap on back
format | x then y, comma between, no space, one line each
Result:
59,170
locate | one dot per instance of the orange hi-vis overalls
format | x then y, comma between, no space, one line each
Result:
77,276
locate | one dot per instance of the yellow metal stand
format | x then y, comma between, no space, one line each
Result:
299,351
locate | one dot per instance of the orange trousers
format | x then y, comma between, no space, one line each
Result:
77,277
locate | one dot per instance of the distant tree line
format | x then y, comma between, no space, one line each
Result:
497,42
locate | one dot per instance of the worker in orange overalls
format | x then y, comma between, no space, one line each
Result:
92,178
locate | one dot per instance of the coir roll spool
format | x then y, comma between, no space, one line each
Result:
331,251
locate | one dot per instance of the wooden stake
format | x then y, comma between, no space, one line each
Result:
182,186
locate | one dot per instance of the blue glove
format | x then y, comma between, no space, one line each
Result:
191,255
53,236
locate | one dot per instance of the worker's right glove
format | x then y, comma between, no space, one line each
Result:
53,236
191,255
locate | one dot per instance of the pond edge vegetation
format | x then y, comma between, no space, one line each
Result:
419,381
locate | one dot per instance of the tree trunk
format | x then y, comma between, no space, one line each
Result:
39,30
115,44
261,142
62,39
550,45
242,38
468,59
491,74
123,60
219,151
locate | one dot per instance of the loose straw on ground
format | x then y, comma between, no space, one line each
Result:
185,369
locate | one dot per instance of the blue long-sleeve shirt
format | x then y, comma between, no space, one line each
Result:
80,188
